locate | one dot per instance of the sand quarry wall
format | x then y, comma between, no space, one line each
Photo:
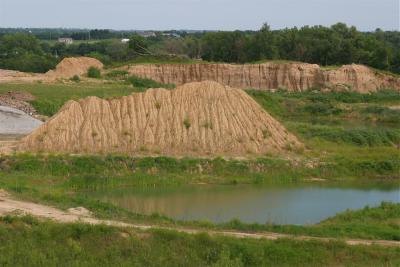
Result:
292,76
195,119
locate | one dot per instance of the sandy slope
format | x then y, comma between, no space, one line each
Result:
202,119
291,76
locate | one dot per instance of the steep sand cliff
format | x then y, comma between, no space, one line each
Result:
291,76
195,119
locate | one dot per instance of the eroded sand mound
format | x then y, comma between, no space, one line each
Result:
71,66
195,119
291,76
9,76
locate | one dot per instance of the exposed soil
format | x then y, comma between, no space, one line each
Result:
66,69
290,76
195,119
18,100
10,206
69,67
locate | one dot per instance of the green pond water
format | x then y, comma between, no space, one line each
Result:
281,204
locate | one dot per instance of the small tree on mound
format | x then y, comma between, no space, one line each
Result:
94,72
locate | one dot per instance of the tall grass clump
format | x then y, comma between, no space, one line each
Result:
94,72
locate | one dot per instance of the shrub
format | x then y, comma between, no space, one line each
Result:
93,72
75,78
117,74
147,83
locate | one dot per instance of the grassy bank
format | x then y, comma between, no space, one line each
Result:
51,244
65,181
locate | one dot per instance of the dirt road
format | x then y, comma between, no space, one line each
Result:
9,205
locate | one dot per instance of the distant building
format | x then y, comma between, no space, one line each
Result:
66,41
147,34
173,35
125,40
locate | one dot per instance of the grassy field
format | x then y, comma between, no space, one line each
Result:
51,244
349,137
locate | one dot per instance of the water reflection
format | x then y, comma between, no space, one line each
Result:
281,204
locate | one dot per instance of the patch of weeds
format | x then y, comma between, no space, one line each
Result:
187,123
75,78
94,72
207,125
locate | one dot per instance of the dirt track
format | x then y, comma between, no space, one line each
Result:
8,205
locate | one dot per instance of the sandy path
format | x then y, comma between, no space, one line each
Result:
8,205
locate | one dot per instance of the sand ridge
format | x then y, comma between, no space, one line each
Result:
267,76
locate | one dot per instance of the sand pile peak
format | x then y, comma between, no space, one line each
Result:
68,67
201,118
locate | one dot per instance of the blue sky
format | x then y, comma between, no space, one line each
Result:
198,14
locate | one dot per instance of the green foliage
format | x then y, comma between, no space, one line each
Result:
51,97
117,74
360,136
75,78
138,45
147,83
22,51
94,72
51,244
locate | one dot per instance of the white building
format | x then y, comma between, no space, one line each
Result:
66,41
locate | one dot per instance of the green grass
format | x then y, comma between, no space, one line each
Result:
147,83
382,222
64,181
359,136
26,241
339,117
51,97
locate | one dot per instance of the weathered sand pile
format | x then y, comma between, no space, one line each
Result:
195,119
9,76
14,121
71,66
292,76
67,68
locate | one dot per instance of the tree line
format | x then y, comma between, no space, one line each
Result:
335,45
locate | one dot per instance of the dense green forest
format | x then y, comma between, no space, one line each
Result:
335,45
